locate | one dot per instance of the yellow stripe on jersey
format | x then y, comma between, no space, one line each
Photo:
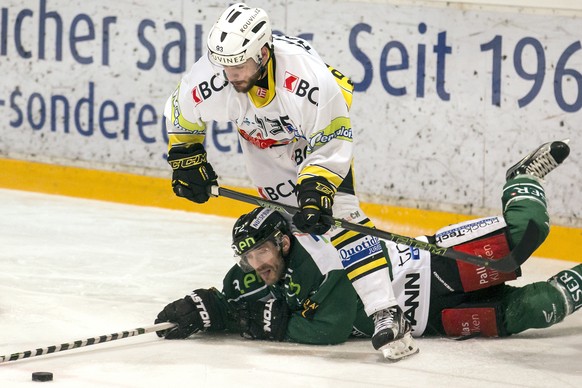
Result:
184,138
368,223
344,236
259,96
341,238
314,171
368,267
346,85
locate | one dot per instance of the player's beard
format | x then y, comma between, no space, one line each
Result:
246,86
271,273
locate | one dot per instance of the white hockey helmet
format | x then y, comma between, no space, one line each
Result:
239,34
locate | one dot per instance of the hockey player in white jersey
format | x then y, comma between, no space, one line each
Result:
291,111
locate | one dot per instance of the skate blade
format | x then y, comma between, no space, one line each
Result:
399,349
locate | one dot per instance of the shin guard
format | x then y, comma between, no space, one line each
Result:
492,247
484,237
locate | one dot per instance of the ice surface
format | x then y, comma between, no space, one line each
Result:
72,269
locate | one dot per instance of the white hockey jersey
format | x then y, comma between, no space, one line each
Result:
296,127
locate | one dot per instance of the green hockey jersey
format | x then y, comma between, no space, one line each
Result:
325,308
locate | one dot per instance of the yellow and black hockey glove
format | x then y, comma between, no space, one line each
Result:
315,198
193,175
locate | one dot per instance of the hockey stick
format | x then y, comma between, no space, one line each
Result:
508,263
86,342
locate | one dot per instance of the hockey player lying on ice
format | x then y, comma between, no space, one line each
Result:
292,286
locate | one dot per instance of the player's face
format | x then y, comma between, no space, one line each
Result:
267,261
243,77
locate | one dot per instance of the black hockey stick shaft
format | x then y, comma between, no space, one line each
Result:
508,263
86,342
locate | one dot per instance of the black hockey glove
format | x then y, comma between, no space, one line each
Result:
193,175
263,320
315,198
193,313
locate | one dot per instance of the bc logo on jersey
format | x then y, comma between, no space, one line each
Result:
196,96
290,81
204,89
281,190
300,87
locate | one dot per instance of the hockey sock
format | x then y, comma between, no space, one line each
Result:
534,306
569,283
524,200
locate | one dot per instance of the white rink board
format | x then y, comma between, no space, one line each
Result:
497,82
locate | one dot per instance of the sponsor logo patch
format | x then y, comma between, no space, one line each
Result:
260,218
291,81
362,249
261,92
473,228
323,137
196,96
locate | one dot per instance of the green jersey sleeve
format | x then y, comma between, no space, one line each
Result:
323,302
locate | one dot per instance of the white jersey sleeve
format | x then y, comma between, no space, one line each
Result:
185,112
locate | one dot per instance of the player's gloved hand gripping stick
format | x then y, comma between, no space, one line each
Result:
315,198
192,175
508,263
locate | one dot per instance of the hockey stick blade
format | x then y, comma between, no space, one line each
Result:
508,263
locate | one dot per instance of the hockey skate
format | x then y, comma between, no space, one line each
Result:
392,334
540,162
